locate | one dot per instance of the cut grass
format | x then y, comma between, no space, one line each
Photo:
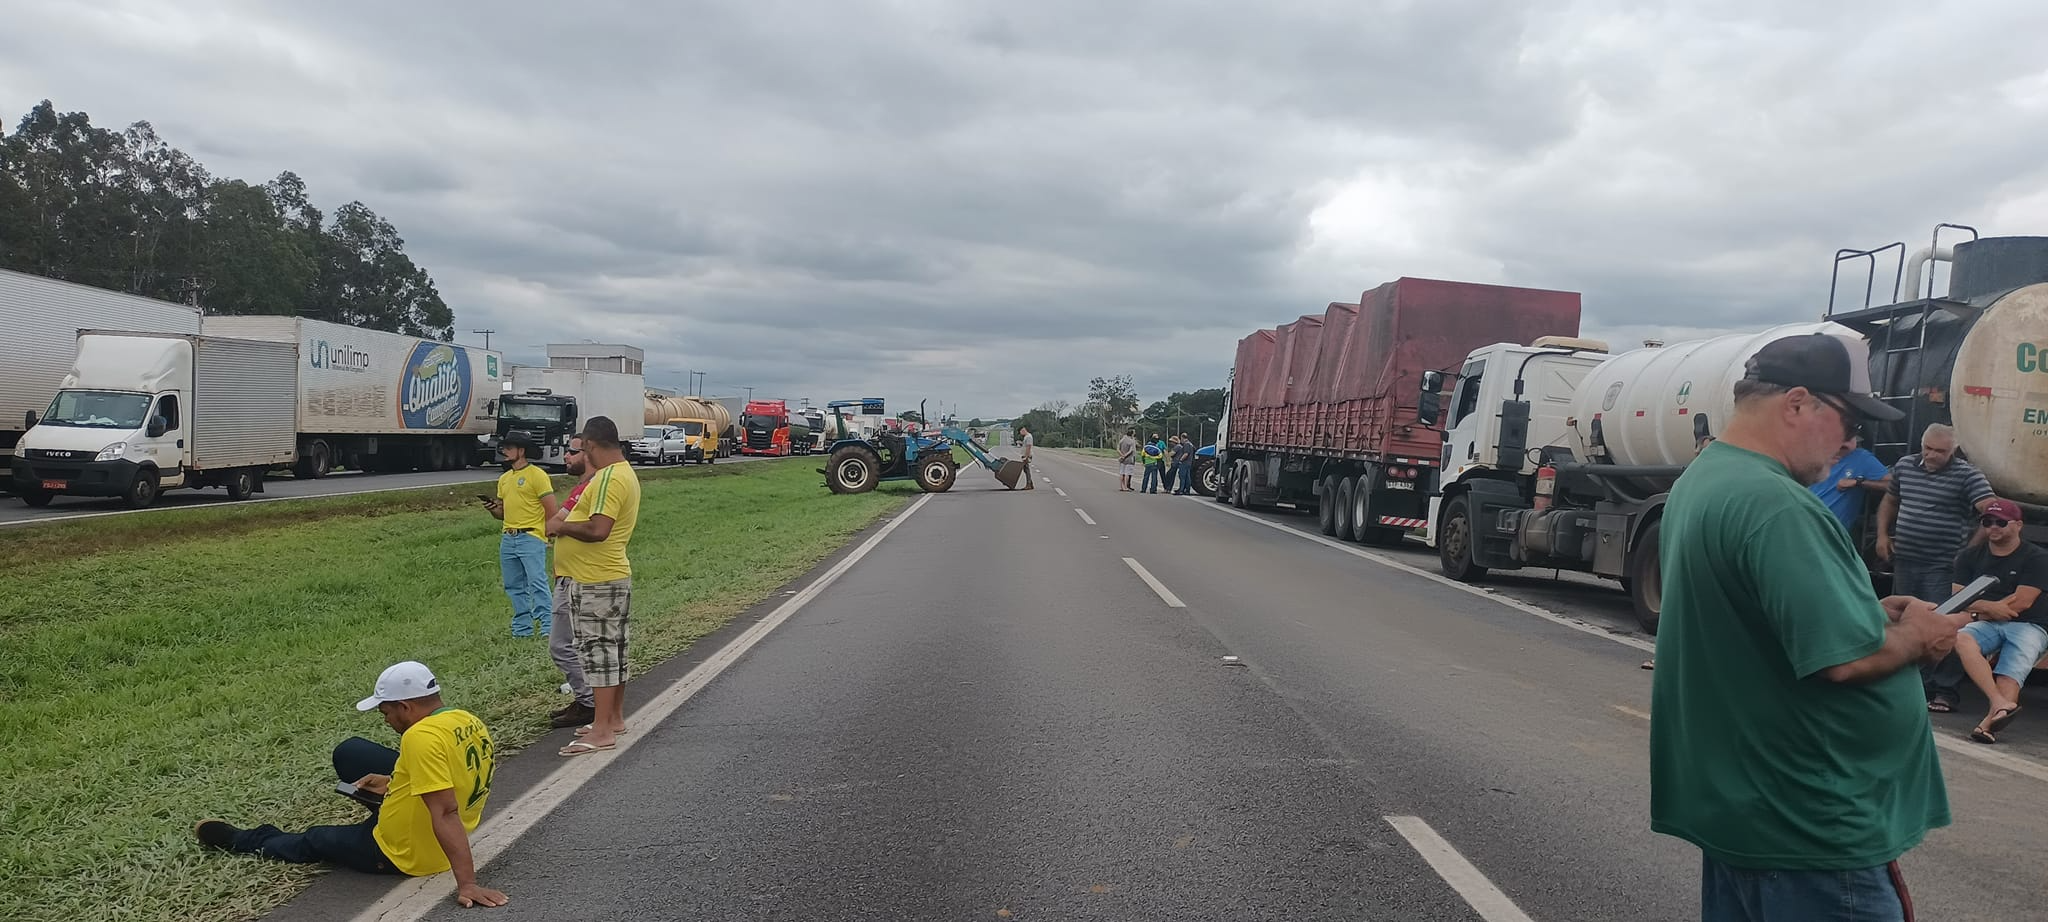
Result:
163,668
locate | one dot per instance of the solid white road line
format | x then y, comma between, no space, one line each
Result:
1083,513
1479,893
415,898
1516,604
1632,712
1165,595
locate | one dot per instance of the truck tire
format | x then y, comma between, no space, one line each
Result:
241,484
1326,505
1207,478
1347,507
36,499
1240,485
1646,577
853,469
1365,527
318,462
1454,542
143,492
936,475
1223,484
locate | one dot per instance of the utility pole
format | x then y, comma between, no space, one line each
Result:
750,393
487,338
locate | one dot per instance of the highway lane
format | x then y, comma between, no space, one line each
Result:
64,508
1008,711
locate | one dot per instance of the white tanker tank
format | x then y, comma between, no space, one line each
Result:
660,408
1651,407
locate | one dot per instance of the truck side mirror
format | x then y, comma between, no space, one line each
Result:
30,419
158,425
1432,382
1430,407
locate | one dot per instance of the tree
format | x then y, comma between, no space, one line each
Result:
1113,402
367,280
253,262
911,416
975,423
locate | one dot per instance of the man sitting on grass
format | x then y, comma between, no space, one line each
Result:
434,788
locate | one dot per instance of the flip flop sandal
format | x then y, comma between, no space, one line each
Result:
585,731
1981,735
580,748
1939,706
2003,717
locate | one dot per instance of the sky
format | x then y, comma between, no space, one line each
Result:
984,205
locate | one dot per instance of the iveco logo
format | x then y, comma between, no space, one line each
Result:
59,455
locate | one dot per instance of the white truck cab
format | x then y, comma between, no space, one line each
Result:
1549,371
141,412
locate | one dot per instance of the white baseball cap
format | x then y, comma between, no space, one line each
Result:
402,682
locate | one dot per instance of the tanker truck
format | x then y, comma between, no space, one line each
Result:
706,426
1558,455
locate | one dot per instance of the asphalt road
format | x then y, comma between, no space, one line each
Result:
13,512
996,714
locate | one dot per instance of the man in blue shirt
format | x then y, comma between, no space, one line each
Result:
1854,474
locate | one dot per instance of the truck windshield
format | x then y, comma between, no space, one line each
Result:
691,428
97,410
533,412
766,422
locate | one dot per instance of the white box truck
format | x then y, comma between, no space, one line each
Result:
42,317
551,404
144,412
377,401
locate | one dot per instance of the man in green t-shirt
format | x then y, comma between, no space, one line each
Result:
1790,740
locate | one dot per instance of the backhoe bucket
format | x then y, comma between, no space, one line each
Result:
1010,473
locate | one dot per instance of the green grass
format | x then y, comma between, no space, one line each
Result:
167,667
1109,453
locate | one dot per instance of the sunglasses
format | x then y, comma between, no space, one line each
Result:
573,451
1852,424
1990,522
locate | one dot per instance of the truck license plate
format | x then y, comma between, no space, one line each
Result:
53,484
1400,485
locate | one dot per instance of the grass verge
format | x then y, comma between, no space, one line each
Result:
177,665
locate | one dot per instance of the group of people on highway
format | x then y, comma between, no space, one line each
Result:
428,795
1171,462
1790,740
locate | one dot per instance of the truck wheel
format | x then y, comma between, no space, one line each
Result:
1454,542
37,499
317,463
1365,527
853,469
1646,577
143,492
1207,478
1347,507
1240,485
936,475
1326,505
241,485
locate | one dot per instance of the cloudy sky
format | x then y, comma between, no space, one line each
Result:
988,203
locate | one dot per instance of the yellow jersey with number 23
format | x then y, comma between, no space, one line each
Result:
449,750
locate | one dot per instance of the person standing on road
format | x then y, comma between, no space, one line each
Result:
562,636
1184,466
1790,742
1127,460
526,498
1933,498
1172,450
592,554
434,789
1856,473
2011,625
1154,456
1024,439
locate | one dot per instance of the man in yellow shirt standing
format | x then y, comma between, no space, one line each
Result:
590,550
433,789
526,498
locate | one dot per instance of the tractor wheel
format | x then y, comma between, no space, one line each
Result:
853,469
1207,477
935,475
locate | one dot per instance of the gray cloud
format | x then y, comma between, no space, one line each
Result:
988,204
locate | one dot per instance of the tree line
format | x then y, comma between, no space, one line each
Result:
1112,406
126,210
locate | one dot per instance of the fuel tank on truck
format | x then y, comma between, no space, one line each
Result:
1999,394
1651,405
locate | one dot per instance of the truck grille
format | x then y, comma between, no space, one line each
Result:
761,438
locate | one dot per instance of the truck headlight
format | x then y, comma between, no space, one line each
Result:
112,452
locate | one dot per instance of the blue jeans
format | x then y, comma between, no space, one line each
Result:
1151,484
1732,894
352,846
1184,474
2017,644
1930,582
523,559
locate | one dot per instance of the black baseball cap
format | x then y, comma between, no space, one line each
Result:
1832,364
517,439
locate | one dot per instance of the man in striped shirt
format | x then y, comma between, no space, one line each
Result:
1933,500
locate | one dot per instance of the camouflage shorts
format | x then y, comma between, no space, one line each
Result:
601,613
